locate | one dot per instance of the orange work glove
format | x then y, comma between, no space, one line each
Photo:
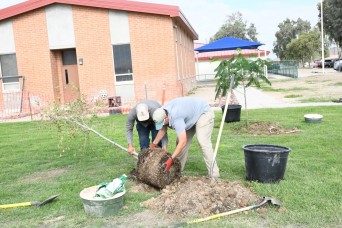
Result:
167,165
152,146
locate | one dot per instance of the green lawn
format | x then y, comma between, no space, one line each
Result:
34,168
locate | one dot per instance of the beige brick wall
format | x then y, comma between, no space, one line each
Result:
33,54
92,36
185,59
153,45
153,55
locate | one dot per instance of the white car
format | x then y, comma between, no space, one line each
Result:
338,65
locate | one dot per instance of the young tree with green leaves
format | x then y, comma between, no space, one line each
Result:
246,73
236,27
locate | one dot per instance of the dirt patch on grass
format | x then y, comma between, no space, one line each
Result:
265,128
141,187
146,218
44,176
189,196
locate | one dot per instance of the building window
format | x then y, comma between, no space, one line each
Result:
9,72
69,57
123,62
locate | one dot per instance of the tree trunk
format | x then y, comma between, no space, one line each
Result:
245,96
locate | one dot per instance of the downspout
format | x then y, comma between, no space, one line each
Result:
176,27
21,96
181,41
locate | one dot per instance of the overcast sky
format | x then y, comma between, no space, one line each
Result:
207,16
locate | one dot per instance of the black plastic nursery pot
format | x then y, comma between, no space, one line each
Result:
233,113
265,163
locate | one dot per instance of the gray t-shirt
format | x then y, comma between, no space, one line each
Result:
184,112
132,117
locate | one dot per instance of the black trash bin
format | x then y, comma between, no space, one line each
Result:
265,163
233,113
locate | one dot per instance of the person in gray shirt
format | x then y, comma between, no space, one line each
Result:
187,116
142,114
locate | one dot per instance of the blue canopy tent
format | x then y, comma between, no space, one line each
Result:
229,43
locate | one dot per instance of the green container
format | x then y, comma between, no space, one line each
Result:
99,207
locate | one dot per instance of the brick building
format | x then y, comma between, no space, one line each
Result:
100,48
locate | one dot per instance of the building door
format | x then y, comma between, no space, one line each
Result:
70,78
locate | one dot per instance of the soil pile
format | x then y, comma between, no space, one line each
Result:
265,128
150,171
198,196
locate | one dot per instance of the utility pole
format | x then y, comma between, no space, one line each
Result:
322,34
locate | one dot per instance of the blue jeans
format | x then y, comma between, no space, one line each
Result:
144,135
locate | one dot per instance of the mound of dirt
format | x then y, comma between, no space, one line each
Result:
266,128
150,171
188,196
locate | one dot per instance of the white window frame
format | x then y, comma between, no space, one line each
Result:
4,84
129,82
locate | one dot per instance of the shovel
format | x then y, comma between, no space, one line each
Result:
266,200
28,203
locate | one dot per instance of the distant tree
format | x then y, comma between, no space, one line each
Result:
304,48
252,32
236,27
332,21
288,30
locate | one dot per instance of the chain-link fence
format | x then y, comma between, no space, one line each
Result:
29,106
287,68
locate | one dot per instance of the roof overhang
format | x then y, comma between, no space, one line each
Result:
125,5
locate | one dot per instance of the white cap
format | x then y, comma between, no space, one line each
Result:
158,117
142,112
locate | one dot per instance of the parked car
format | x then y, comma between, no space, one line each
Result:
317,64
338,65
329,63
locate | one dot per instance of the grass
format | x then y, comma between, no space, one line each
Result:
316,99
293,96
33,168
271,89
337,84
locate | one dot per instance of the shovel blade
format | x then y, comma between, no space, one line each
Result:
273,201
45,201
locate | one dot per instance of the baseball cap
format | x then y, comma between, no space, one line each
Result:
158,117
142,112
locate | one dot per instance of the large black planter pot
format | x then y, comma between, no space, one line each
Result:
233,113
265,163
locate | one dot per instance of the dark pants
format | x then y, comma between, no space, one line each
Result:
144,135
